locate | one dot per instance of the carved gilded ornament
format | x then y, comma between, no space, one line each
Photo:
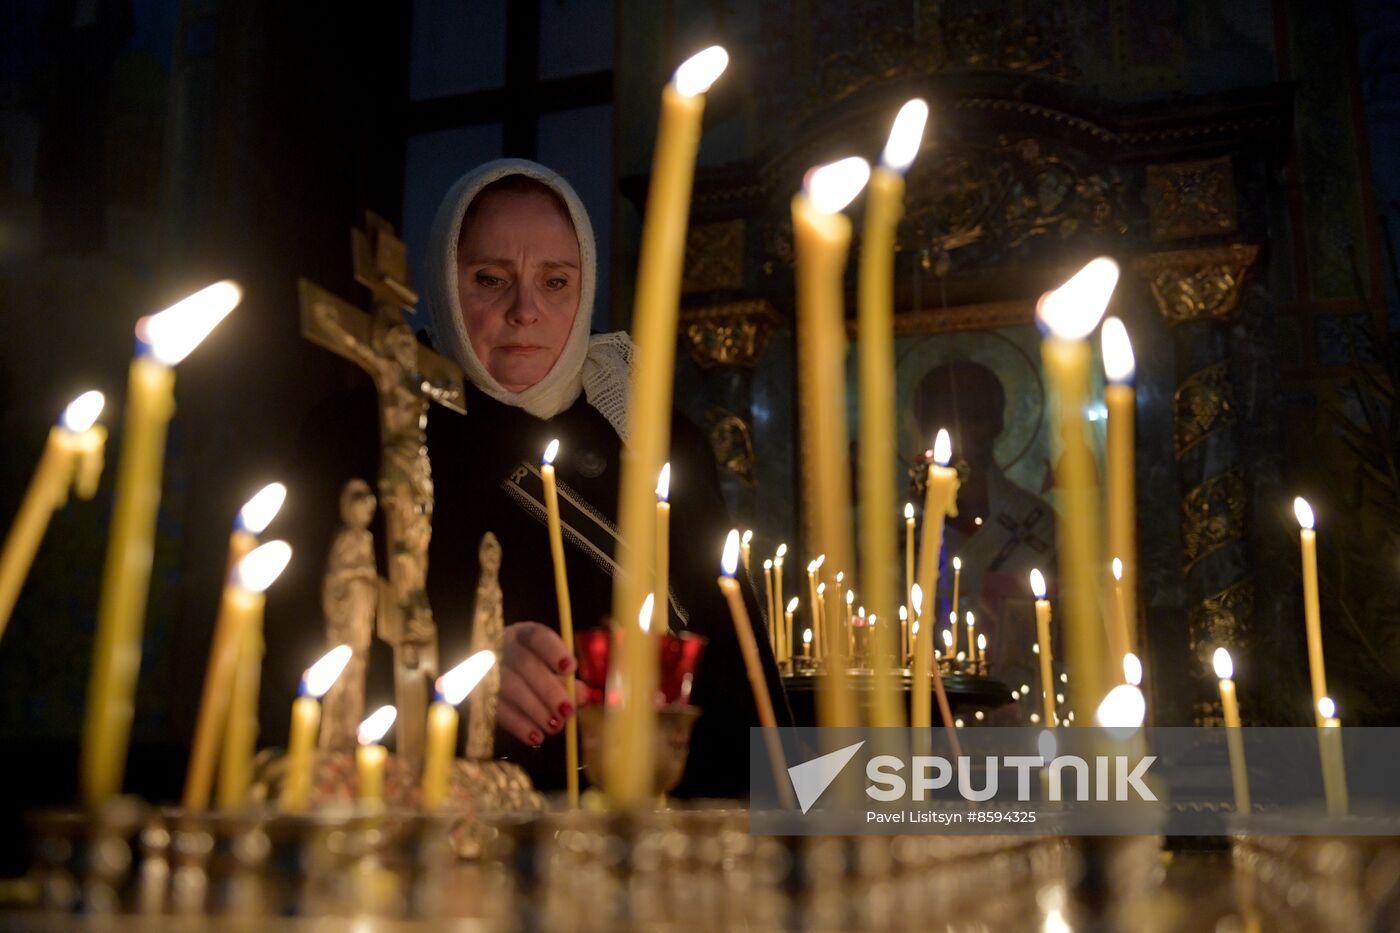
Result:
1204,404
1191,284
733,334
1221,619
1212,517
731,439
1188,199
714,257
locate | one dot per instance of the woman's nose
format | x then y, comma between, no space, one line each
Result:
524,309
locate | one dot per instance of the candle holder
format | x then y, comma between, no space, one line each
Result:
674,725
680,655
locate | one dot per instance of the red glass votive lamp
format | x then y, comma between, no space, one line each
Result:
680,655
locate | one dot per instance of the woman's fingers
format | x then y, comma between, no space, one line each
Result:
546,644
517,723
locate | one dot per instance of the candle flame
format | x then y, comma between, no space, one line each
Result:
1118,363
663,482
915,628
908,511
903,614
1326,707
767,565
1072,311
551,452
952,618
322,675
1223,663
860,611
747,536
792,604
82,412
840,575
1304,512
957,563
942,447
699,71
644,616
971,619
806,636
1117,569
173,334
916,593
261,566
821,559
981,642
850,597
948,638
779,554
1123,708
258,512
376,724
812,566
832,186
906,135
1132,669
1038,583
821,589
729,560
454,686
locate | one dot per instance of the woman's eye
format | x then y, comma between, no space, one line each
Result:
556,282
487,280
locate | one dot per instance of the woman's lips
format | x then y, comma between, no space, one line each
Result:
519,349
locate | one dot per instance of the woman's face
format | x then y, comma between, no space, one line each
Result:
518,284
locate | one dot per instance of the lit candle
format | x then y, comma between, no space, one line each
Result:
957,588
1329,743
1312,614
630,724
908,570
1132,670
787,620
822,239
806,642
875,350
566,613
753,666
240,608
449,691
940,500
1042,646
306,723
1225,670
72,457
813,567
1069,315
768,609
1120,400
663,549
971,636
784,634
824,624
163,340
903,634
370,755
1124,708
981,648
744,548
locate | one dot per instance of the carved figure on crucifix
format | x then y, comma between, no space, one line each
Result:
409,378
488,633
349,596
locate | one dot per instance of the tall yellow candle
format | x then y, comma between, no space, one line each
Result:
1042,631
903,635
1329,743
957,592
787,617
450,690
940,501
370,755
768,609
813,567
72,457
566,615
165,339
661,624
909,580
971,637
1229,704
784,636
753,665
240,608
1069,315
630,723
821,618
1121,401
822,239
1312,613
745,542
883,209
306,724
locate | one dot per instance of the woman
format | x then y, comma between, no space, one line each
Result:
511,273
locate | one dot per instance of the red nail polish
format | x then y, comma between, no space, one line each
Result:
553,724
536,738
566,709
565,664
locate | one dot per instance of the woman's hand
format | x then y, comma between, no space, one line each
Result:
533,701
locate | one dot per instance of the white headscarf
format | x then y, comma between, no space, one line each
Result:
598,366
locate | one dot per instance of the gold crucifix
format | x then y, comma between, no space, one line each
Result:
408,378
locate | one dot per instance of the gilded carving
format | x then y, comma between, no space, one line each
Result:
1212,516
1187,199
990,315
1204,405
714,257
1191,284
733,334
1221,619
731,439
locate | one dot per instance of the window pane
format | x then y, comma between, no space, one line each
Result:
457,47
578,145
576,37
432,163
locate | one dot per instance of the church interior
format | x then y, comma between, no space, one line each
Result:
888,399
